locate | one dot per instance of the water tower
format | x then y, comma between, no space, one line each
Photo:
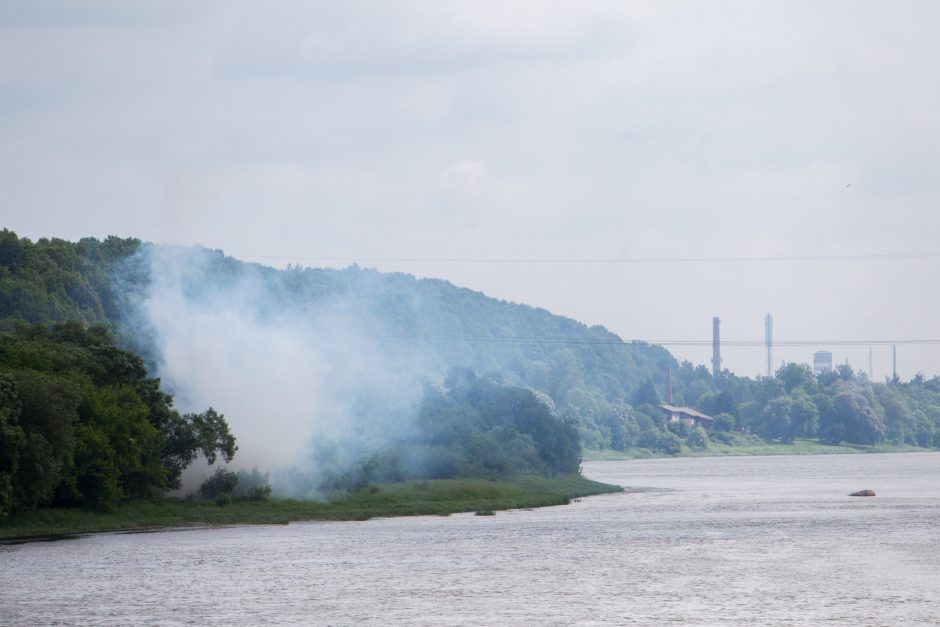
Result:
822,362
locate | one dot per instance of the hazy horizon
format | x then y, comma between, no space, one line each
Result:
575,159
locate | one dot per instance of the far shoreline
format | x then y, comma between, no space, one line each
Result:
799,447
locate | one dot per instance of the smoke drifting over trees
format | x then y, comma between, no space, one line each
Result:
334,377
320,371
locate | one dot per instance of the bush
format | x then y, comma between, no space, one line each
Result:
222,482
724,437
252,486
660,441
679,428
697,439
723,422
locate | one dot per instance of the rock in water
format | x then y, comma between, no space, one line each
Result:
863,493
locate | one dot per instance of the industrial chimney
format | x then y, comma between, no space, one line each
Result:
716,347
669,385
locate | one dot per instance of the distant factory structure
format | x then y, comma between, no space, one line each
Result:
686,415
822,362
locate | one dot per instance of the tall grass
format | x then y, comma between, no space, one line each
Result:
439,497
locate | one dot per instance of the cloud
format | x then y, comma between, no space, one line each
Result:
468,129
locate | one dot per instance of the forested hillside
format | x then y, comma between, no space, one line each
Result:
428,325
81,423
59,281
377,324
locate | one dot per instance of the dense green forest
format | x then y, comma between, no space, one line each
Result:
581,384
81,423
587,372
59,281
836,406
476,427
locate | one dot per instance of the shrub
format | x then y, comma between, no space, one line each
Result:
252,486
697,439
660,441
223,481
679,428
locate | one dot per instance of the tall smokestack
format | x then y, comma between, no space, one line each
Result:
669,385
769,340
894,362
716,347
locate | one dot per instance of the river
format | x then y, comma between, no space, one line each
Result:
746,540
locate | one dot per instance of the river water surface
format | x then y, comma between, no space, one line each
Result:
746,540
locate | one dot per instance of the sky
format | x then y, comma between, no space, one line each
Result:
644,166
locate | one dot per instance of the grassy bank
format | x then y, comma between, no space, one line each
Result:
440,497
716,449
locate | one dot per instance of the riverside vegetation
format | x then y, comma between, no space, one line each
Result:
609,388
413,498
89,442
83,425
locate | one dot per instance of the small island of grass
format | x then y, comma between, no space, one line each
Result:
412,498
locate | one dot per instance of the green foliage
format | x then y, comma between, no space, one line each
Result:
797,376
225,485
836,406
697,440
679,428
607,389
81,424
252,485
851,419
660,441
717,403
57,281
475,427
439,497
646,394
789,417
222,482
723,422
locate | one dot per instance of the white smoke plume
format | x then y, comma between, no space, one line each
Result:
304,380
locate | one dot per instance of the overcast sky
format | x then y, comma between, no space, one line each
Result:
453,132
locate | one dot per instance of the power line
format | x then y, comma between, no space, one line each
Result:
601,260
732,343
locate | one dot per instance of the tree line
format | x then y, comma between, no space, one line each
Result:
82,424
609,389
474,426
837,406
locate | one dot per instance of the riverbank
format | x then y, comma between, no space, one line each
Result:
716,449
414,498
